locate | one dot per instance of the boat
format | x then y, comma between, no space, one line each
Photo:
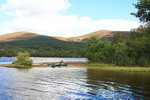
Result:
57,64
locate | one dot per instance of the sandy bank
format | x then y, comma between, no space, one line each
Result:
42,65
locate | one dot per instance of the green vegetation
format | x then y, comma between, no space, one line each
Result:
132,50
122,51
42,46
45,46
101,34
99,65
23,60
123,69
143,13
110,67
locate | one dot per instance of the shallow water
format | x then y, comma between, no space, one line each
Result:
72,84
8,60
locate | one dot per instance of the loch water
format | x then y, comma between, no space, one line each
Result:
9,60
72,84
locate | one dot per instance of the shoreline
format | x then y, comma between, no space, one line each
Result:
109,67
45,65
104,67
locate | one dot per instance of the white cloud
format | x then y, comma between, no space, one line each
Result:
35,7
117,24
60,25
44,17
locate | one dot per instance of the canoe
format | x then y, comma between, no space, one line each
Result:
57,64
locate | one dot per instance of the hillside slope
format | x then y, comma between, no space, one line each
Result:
17,36
46,46
102,34
38,45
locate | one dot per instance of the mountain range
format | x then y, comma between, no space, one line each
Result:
47,46
102,34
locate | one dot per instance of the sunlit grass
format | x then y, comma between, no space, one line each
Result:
99,65
109,67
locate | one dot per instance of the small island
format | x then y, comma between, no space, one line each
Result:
23,60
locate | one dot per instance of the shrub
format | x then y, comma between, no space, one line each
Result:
23,59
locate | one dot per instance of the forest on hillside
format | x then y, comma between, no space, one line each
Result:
42,46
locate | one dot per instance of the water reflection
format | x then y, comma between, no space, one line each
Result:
71,84
39,83
119,85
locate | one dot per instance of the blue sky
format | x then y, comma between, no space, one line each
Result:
66,17
103,9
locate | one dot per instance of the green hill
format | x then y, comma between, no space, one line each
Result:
102,34
38,45
17,36
46,46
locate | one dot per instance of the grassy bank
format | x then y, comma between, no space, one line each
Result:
109,67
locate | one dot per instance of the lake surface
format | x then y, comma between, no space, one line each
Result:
72,84
8,60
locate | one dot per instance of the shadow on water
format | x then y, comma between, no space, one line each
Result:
119,85
72,84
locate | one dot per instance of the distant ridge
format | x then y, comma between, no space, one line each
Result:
102,34
46,46
38,45
28,38
17,36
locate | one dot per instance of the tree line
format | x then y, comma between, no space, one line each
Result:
132,50
122,50
39,51
42,46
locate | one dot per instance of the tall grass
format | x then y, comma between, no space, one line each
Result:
109,67
100,65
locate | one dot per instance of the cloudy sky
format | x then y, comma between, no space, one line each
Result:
66,17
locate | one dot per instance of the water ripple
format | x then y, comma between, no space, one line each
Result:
63,84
